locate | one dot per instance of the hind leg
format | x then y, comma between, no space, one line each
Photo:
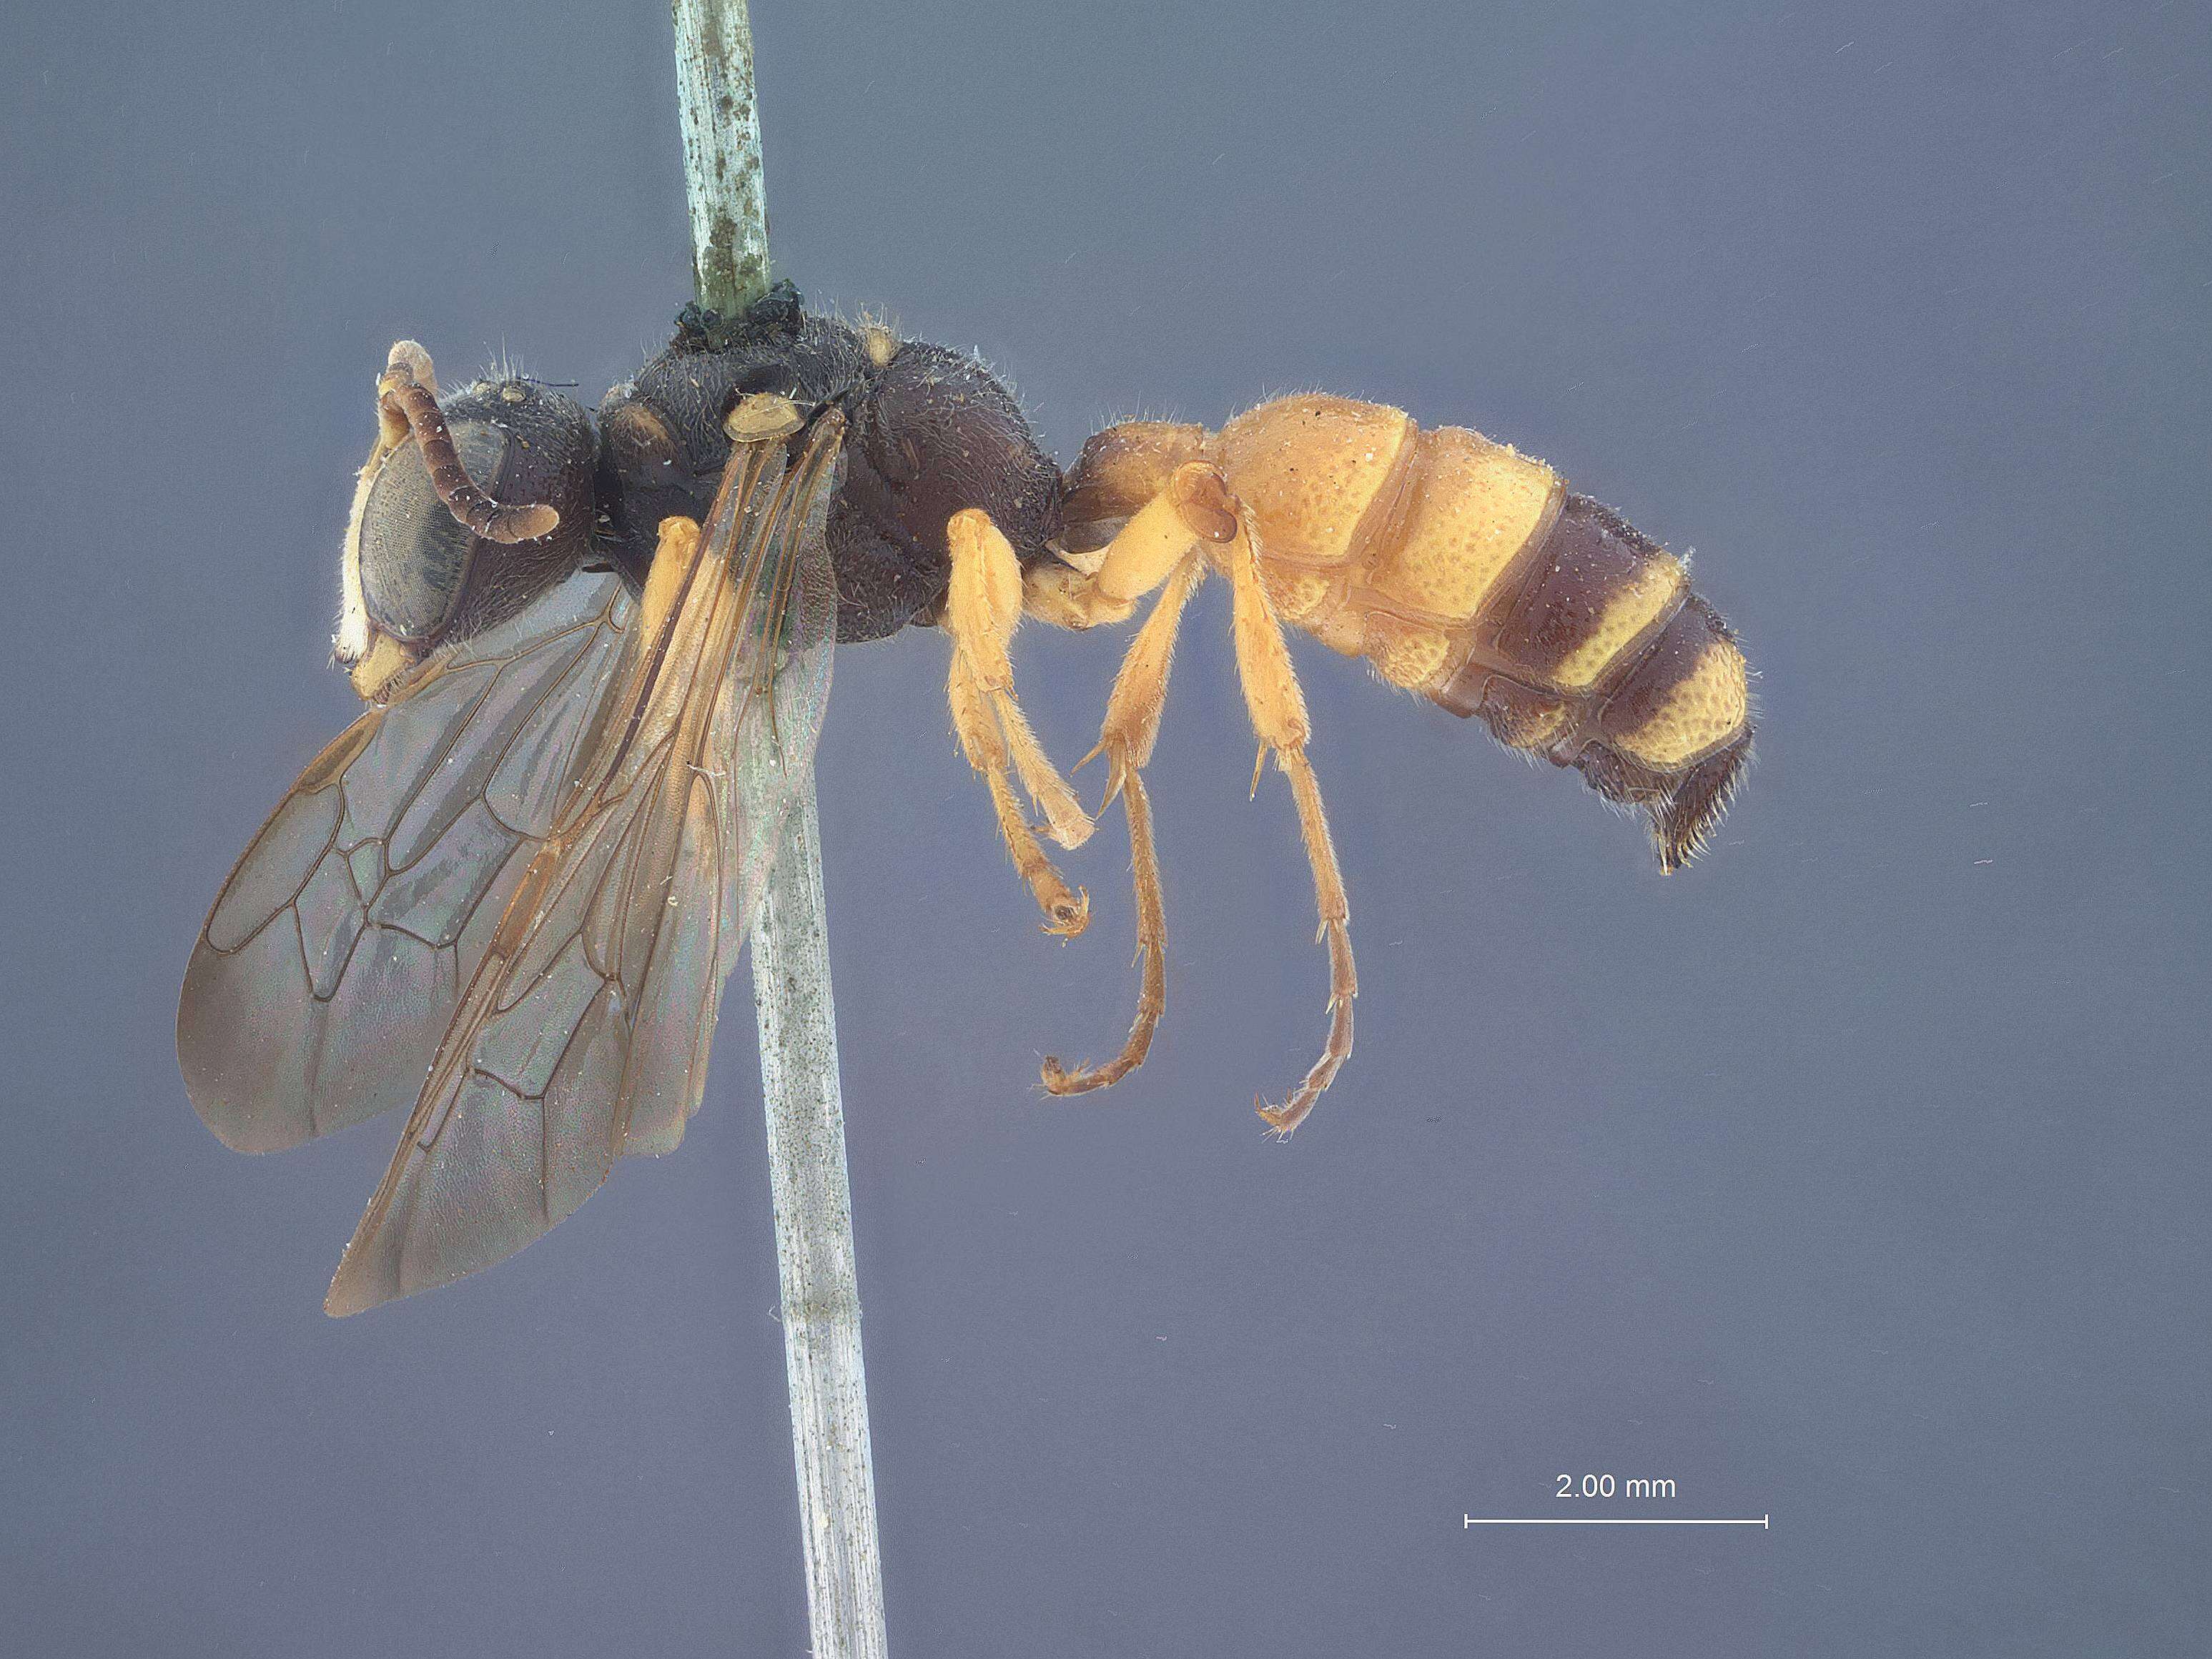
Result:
1278,708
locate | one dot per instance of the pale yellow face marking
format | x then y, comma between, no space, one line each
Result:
351,643
1703,710
1628,613
1476,504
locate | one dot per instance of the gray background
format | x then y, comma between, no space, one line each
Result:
1857,1176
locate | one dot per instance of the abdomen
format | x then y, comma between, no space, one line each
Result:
1465,571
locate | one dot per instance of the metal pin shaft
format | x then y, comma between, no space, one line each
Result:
791,950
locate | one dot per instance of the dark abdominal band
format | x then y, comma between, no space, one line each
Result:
1664,724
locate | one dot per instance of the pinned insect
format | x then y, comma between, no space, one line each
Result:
597,655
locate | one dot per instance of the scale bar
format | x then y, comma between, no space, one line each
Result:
1763,1522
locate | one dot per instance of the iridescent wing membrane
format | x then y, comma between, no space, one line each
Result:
512,895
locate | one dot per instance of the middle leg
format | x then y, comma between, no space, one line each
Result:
1161,546
1131,728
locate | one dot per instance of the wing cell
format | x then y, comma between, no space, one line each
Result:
585,1031
334,954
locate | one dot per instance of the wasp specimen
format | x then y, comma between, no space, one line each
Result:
595,654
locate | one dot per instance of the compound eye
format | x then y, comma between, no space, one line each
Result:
414,553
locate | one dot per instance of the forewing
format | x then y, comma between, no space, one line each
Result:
585,1032
337,950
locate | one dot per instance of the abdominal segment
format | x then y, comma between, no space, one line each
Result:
1597,656
1463,569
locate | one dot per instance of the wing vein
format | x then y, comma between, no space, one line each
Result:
597,989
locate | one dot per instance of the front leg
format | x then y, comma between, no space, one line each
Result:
983,606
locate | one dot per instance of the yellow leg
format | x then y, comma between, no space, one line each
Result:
1132,726
983,605
1155,546
1193,508
1067,911
1278,708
